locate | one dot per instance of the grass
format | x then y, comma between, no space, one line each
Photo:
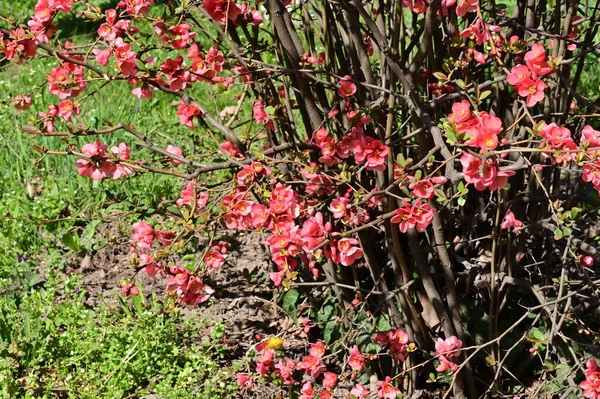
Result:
51,344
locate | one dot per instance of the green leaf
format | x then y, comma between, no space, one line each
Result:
290,301
325,314
382,323
462,201
484,95
558,234
331,332
441,76
71,241
440,194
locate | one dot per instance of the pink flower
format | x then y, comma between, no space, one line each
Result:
188,197
222,10
422,188
484,176
376,154
67,81
66,108
338,207
307,391
461,112
260,115
590,137
465,6
121,153
142,92
386,389
356,359
245,380
102,56
591,173
329,380
533,90
518,74
349,251
143,235
591,384
186,114
359,391
510,221
96,166
136,7
22,102
177,151
347,88
284,369
445,350
536,60
125,57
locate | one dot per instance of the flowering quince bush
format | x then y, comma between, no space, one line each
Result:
424,174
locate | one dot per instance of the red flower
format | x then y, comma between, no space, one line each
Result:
22,102
222,10
347,88
445,350
510,221
96,166
186,114
386,389
533,90
356,359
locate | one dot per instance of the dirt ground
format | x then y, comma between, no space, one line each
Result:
246,308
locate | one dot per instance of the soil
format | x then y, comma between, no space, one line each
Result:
246,307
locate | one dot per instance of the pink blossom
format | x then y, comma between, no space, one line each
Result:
359,391
177,151
386,389
96,166
66,108
518,74
510,221
356,359
329,380
533,90
307,391
188,196
143,235
121,153
445,350
245,380
222,10
22,102
347,88
187,113
484,176
591,383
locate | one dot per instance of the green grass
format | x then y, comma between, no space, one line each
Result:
51,344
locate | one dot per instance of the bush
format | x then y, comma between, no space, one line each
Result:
425,176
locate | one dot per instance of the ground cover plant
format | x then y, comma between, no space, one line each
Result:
424,176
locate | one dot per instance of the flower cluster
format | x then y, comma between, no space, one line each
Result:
419,215
98,166
558,140
480,129
591,384
484,174
226,11
446,350
526,78
397,341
